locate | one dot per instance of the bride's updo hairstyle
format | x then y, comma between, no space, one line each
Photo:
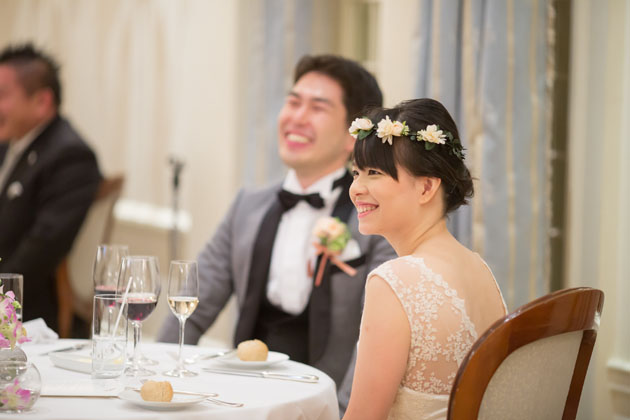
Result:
442,161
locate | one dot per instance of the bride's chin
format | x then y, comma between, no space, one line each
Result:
365,229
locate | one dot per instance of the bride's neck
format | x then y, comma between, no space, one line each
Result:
407,243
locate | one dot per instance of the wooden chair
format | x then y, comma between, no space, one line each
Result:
74,274
531,364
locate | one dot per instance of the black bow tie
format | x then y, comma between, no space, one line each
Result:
289,200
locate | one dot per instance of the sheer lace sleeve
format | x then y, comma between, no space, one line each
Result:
441,332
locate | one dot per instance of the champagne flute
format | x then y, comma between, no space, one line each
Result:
183,297
139,284
106,267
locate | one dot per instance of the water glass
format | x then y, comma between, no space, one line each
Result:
15,283
109,336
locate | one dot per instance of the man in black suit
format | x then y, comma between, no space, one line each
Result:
48,177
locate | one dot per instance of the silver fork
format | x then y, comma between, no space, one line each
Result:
198,357
225,403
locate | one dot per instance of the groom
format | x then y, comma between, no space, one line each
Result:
261,250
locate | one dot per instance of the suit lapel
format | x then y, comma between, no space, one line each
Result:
321,297
258,272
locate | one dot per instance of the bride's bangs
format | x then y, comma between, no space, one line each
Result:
372,153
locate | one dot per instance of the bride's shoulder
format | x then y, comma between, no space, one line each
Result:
406,268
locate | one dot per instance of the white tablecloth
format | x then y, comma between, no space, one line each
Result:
263,398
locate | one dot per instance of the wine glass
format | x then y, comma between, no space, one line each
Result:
139,283
107,267
183,297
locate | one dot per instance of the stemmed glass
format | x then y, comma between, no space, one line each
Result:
107,267
183,297
139,283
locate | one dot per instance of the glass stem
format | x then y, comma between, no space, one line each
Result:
137,335
182,324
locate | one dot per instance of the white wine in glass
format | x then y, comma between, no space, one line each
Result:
183,297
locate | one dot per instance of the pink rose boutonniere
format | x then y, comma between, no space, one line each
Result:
332,237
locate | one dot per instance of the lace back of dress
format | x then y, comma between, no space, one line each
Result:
441,332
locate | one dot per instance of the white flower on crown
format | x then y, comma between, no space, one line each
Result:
387,129
432,134
360,124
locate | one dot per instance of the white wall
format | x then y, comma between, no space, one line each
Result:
599,193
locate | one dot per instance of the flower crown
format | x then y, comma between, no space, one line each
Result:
387,129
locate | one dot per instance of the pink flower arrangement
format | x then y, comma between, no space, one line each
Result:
11,330
15,397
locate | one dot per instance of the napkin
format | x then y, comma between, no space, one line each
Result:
38,332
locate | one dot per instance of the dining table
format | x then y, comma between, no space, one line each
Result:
69,392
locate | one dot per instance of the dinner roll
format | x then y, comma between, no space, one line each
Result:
157,391
252,351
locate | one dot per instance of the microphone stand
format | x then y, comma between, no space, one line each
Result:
177,166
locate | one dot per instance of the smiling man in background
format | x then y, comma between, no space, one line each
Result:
48,177
262,248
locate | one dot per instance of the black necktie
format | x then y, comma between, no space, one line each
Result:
289,199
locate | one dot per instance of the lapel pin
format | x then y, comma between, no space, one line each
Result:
14,190
32,158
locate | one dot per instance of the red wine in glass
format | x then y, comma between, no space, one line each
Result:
104,290
140,306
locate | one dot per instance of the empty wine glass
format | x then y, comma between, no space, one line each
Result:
183,297
107,267
139,283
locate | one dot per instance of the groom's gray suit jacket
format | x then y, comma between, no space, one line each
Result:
224,269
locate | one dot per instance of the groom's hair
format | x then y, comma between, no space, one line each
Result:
360,88
35,69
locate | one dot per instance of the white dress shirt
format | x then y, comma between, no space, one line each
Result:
289,285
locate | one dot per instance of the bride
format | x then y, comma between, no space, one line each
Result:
425,309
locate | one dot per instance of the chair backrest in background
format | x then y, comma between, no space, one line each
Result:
74,276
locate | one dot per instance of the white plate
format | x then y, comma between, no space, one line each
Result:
233,361
72,361
178,401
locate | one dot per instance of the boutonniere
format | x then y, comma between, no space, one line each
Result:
332,237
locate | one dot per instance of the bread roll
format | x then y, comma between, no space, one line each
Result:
252,351
157,391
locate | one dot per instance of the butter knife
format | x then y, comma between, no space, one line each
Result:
63,349
266,374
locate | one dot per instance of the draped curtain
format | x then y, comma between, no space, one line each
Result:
489,62
145,80
280,33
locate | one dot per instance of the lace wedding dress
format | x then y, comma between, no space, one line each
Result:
441,335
